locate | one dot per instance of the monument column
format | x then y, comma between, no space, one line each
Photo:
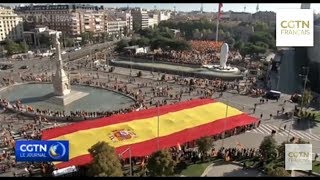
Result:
61,83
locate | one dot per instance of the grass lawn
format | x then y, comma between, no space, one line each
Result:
316,167
195,169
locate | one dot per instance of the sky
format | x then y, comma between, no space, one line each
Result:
209,7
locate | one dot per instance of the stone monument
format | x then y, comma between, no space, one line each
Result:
61,82
62,94
224,53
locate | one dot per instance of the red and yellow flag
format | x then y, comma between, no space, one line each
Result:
178,123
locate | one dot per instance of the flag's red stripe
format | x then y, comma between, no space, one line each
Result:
143,114
147,147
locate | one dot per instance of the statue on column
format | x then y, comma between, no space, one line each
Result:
61,82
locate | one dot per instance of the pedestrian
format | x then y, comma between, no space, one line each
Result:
261,115
270,116
285,126
316,156
254,110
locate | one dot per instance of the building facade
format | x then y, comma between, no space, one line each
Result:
11,25
314,60
144,19
72,20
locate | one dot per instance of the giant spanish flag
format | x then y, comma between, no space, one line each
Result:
177,123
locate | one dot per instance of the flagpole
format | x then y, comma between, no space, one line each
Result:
158,127
218,19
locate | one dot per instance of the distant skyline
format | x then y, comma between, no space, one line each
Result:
207,7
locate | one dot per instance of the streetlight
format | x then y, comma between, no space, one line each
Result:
128,149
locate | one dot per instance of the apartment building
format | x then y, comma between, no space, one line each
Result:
125,15
11,25
115,25
71,19
147,19
140,18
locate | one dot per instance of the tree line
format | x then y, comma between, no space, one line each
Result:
155,38
248,38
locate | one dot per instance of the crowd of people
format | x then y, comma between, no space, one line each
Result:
203,52
189,152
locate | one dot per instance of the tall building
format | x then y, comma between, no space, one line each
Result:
11,25
313,54
125,15
114,24
75,19
71,20
140,18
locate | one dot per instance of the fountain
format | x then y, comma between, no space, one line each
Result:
223,68
61,96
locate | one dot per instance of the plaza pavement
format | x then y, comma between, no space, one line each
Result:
250,139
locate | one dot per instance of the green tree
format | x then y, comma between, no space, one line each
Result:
261,26
204,144
238,45
23,47
11,47
161,163
68,42
142,42
86,37
136,26
125,31
105,162
281,150
279,172
268,148
121,44
44,40
306,98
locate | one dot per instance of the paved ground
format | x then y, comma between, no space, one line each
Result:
307,131
231,170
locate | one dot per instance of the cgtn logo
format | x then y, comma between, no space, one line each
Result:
298,156
42,151
294,28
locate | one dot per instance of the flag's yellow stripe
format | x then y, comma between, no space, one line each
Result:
146,129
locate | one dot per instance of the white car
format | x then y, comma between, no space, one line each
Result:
63,52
